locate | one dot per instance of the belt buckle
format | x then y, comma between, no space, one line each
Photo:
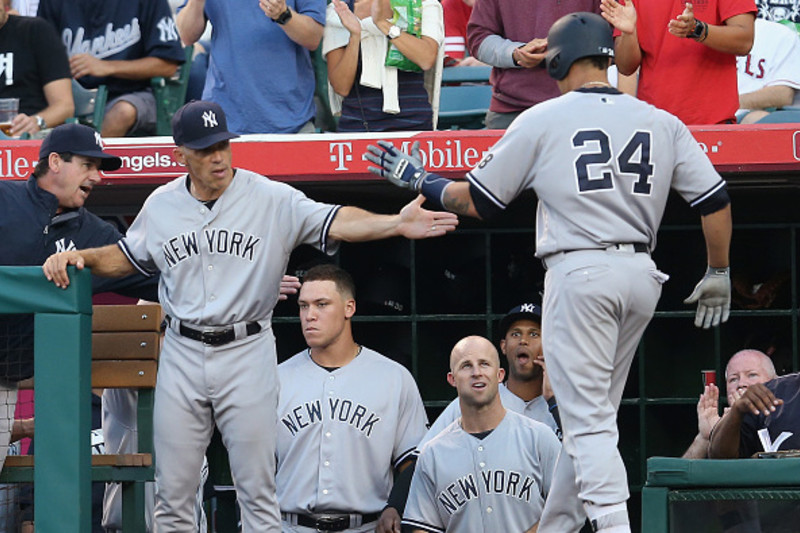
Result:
332,523
214,338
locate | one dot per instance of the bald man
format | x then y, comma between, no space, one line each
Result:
491,469
745,368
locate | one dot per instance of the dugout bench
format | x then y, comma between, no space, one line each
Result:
718,495
75,350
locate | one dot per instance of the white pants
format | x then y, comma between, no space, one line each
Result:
597,305
234,386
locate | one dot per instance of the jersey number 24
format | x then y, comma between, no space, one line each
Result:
599,153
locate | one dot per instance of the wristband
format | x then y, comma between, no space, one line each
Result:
432,187
699,32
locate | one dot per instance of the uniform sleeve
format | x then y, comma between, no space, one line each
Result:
445,418
506,171
312,8
548,447
313,221
51,54
160,33
421,511
412,424
134,244
748,436
695,178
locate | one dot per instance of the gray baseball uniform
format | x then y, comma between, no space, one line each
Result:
602,165
464,484
341,433
220,267
535,409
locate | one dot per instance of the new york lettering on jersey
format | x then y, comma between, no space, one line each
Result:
218,241
500,482
340,410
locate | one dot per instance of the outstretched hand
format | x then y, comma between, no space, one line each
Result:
708,411
419,223
622,17
289,285
713,297
402,169
757,399
683,24
55,268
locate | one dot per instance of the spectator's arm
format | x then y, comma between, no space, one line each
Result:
726,437
421,50
133,69
733,36
707,418
627,53
60,104
22,428
772,96
343,62
304,30
191,21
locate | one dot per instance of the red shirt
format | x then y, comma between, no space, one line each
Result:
682,76
456,16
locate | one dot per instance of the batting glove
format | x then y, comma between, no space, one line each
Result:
404,170
713,297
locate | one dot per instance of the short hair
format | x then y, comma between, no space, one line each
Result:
43,165
766,361
599,62
330,272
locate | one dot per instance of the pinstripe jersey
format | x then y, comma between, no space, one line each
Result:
601,163
341,433
463,484
224,265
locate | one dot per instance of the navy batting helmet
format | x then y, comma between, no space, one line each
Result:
575,36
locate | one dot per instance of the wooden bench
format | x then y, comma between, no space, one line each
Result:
125,345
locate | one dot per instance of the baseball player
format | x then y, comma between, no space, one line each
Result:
348,417
524,391
221,238
491,469
601,164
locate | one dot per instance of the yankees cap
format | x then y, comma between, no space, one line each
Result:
79,140
200,124
529,311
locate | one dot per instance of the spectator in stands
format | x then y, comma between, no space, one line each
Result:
145,44
764,419
745,368
769,76
368,95
259,67
511,36
456,18
24,8
666,42
34,69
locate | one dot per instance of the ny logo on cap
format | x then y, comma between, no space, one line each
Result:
527,308
209,119
98,140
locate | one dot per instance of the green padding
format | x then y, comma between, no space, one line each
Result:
26,290
709,494
672,472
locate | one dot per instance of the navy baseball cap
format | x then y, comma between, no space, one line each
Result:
200,124
529,311
79,140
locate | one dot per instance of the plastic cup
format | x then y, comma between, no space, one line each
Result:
709,377
9,108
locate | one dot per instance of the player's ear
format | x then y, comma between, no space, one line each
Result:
177,154
501,374
451,379
503,346
349,308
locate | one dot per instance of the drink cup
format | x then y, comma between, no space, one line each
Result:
9,108
709,377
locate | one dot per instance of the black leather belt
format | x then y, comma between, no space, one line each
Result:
333,522
214,338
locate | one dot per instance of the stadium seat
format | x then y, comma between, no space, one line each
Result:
781,116
170,94
90,105
465,97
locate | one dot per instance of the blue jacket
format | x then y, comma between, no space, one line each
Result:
31,231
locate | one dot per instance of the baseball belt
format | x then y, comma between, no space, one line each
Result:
631,248
216,337
330,521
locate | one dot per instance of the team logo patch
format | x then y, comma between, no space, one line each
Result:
98,140
210,119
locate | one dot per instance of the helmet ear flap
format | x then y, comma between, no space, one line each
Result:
552,64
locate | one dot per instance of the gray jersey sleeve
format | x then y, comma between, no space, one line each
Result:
445,418
412,422
421,511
